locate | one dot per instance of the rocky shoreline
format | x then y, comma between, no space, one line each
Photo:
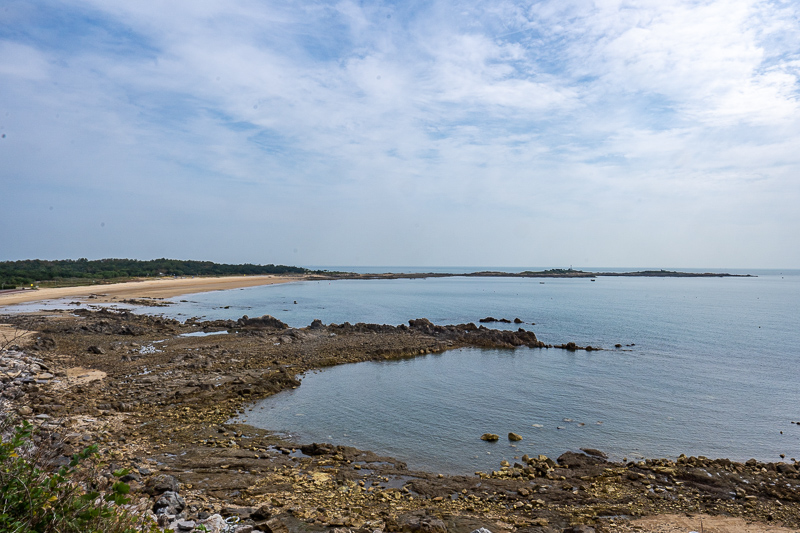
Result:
158,402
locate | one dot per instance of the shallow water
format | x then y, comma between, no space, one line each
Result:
713,370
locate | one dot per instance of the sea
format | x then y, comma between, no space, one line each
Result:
706,366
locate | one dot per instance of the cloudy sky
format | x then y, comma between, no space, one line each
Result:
661,133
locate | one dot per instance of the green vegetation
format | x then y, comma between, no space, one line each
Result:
69,499
82,271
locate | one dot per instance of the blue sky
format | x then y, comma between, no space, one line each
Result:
608,133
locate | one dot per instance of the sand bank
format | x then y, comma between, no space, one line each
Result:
148,288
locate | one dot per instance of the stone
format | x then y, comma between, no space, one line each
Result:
264,321
169,502
237,510
160,484
213,524
514,437
481,530
421,524
490,437
274,525
594,453
244,528
580,529
262,513
133,476
182,525
96,350
25,411
317,449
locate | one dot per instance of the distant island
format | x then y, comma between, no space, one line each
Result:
551,273
85,272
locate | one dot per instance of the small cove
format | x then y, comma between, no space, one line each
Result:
430,411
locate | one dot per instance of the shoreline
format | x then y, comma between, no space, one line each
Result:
161,403
155,288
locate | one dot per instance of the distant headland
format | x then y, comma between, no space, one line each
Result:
551,273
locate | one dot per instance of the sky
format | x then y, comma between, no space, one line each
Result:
659,133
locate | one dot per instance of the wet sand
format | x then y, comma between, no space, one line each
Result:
147,288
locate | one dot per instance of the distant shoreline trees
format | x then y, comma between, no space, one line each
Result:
32,271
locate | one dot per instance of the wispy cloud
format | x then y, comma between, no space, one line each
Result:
465,127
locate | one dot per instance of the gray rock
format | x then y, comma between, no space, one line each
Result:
169,502
160,484
182,525
481,530
213,524
96,350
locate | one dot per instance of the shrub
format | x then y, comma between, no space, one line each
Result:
35,498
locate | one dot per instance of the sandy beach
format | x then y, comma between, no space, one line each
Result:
147,288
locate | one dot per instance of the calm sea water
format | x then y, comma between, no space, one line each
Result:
714,370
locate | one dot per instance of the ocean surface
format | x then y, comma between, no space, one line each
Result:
709,366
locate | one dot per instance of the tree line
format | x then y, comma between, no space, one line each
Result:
32,271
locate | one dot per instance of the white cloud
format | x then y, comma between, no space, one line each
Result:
22,62
500,111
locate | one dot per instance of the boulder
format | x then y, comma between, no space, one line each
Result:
574,460
95,350
490,437
580,529
274,525
264,321
594,453
170,503
514,437
213,524
317,449
160,484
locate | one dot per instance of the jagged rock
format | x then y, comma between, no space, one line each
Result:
95,350
160,484
580,529
237,510
573,460
481,530
317,324
183,525
264,321
490,437
421,524
513,437
317,449
274,525
170,503
44,344
594,453
262,513
213,524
